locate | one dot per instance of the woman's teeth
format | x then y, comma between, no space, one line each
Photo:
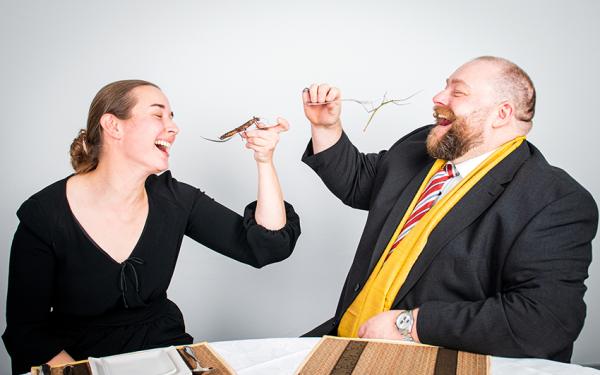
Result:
162,145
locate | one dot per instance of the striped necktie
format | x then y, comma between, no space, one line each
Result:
430,195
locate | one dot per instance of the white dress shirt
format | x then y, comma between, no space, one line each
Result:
463,169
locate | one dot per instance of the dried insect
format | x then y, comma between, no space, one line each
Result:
384,102
369,106
227,136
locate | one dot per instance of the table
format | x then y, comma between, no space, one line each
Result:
281,356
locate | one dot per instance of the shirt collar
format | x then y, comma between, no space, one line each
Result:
467,166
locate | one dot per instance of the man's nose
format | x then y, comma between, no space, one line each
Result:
441,98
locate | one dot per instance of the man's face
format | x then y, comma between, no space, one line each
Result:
463,111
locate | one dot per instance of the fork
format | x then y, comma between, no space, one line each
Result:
370,106
199,368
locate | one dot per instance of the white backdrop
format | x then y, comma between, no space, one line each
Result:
221,62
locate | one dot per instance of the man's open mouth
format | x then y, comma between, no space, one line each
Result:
443,116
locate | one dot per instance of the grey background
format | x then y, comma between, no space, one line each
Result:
222,62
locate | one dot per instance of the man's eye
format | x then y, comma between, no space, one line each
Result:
458,93
159,115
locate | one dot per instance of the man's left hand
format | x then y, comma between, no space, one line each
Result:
383,326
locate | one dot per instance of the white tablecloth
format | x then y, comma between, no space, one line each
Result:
281,356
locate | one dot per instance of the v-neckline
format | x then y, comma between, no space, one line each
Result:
92,241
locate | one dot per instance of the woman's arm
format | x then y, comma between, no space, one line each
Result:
269,228
270,209
29,337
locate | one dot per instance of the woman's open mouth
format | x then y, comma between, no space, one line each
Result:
163,146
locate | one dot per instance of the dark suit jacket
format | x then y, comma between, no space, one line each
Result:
502,274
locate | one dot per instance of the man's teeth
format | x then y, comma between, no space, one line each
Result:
162,143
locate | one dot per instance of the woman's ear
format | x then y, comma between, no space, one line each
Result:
111,125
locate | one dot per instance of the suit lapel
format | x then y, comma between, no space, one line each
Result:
467,210
396,214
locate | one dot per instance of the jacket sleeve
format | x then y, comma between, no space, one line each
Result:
241,238
29,338
540,309
347,173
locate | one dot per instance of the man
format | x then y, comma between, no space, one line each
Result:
487,253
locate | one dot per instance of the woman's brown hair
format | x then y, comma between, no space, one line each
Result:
115,98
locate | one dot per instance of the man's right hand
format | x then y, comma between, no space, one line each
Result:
326,127
323,115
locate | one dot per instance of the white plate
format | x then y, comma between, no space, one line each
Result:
163,361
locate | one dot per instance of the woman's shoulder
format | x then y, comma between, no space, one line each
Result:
50,196
40,209
166,187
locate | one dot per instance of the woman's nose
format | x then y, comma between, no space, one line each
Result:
172,127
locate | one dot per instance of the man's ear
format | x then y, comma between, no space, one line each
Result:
111,125
504,114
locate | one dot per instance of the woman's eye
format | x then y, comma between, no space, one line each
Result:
458,93
159,115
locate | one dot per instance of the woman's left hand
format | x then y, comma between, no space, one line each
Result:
263,140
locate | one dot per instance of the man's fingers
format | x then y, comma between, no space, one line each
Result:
361,330
319,93
305,96
312,92
333,94
322,92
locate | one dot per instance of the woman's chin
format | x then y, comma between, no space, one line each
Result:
159,168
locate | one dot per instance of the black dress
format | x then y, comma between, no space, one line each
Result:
65,292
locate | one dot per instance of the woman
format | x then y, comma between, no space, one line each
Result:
94,253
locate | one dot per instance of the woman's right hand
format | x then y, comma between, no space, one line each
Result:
323,115
264,139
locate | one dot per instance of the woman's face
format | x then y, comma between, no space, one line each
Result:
150,131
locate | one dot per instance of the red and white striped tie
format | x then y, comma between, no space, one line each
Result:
427,199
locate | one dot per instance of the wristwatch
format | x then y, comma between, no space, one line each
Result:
404,323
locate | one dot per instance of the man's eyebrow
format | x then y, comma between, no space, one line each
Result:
457,81
160,106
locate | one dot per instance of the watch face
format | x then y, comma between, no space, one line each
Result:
404,321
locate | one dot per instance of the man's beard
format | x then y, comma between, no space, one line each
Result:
458,140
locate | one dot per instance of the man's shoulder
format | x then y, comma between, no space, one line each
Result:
411,149
419,135
550,181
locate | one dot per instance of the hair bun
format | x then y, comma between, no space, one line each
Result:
82,136
80,155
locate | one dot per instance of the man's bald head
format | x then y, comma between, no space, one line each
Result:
514,84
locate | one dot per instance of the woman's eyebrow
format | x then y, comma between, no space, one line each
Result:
162,107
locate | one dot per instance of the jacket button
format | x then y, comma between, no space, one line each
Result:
356,287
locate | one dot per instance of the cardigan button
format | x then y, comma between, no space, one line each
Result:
356,287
